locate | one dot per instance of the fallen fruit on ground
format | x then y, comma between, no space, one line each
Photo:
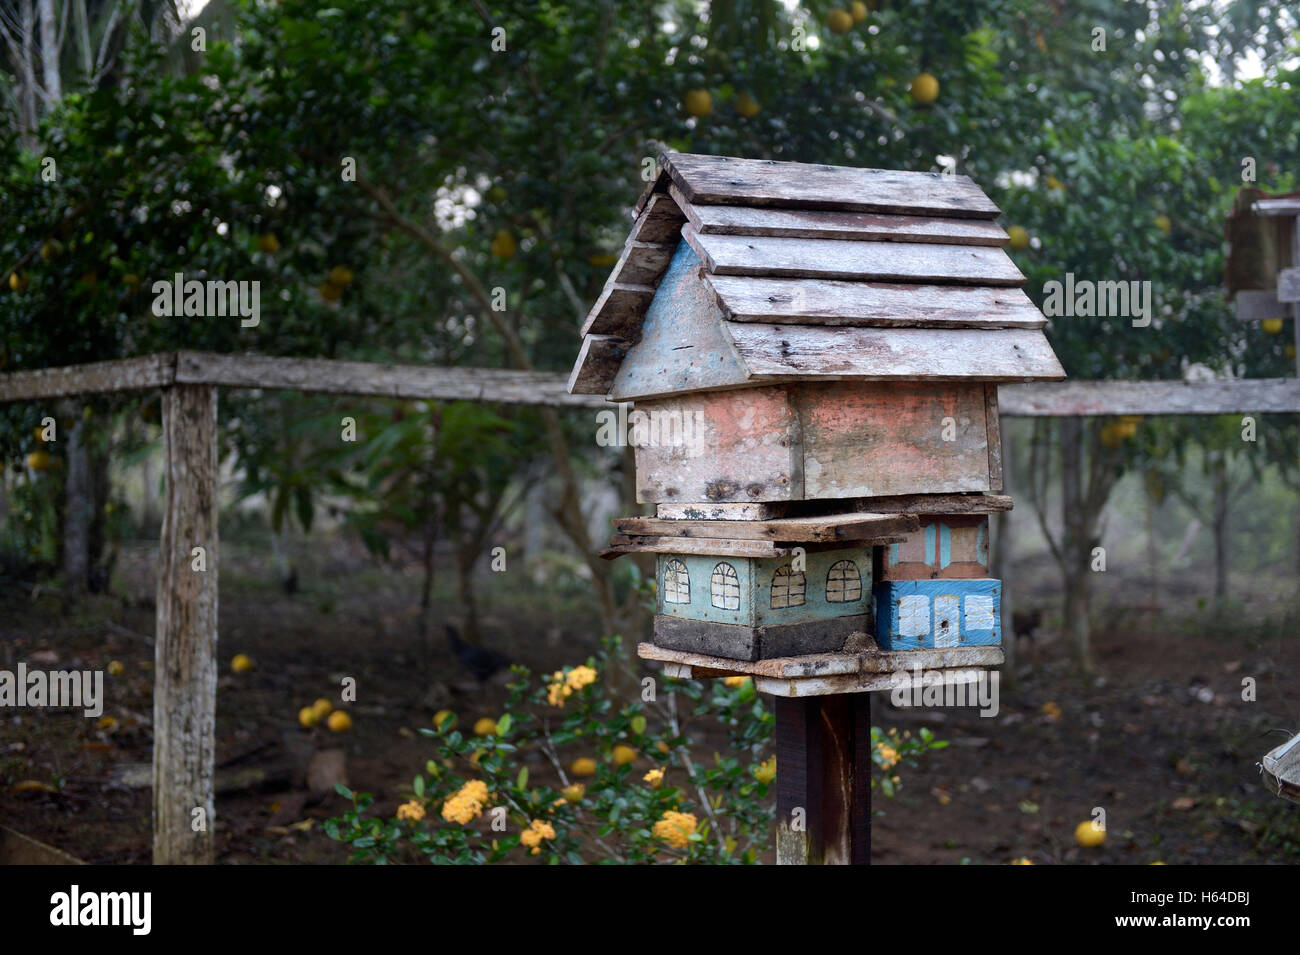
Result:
1089,835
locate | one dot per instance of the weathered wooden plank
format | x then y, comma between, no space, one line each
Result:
598,362
681,346
185,667
327,376
743,448
619,310
856,683
1286,206
1257,305
859,527
832,302
641,263
723,180
857,226
779,352
921,504
720,512
621,544
1288,285
1281,770
869,660
126,374
892,438
855,261
991,418
1240,396
660,221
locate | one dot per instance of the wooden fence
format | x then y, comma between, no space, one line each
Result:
185,671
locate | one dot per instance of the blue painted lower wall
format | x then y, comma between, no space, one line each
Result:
912,614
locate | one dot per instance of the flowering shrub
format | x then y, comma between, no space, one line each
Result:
644,795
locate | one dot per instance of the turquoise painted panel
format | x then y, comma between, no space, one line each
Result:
734,594
916,614
945,546
816,605
683,346
686,587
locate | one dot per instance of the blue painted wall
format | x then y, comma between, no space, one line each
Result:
912,614
755,578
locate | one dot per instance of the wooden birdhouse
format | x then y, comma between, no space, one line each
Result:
813,353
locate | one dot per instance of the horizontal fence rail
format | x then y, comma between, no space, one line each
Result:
505,386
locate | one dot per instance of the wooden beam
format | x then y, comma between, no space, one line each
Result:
722,180
185,667
848,528
832,302
326,376
127,374
783,352
1257,305
854,261
1062,399
1289,206
823,758
859,226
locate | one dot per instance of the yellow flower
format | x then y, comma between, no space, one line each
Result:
675,828
765,771
410,810
574,792
581,676
565,685
654,778
734,681
888,755
467,803
537,831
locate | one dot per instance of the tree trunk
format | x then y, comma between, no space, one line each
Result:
1076,544
50,52
77,506
1153,549
1219,470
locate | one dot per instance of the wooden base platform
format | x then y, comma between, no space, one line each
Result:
823,674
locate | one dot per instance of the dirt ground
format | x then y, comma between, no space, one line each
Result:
1160,738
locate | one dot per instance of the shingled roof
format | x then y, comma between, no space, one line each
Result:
791,271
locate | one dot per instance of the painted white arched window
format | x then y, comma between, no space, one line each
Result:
788,586
843,583
677,583
725,587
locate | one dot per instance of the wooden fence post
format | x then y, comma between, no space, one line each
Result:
185,666
823,759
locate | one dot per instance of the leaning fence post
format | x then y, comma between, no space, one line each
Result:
185,666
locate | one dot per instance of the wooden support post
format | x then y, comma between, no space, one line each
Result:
823,760
185,667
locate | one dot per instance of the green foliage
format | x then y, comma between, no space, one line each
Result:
647,796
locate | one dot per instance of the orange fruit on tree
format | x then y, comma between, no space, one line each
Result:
699,102
858,10
485,726
17,281
1271,326
924,89
624,755
1019,237
1164,224
747,106
839,21
268,243
583,766
241,663
339,722
39,460
307,717
503,245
